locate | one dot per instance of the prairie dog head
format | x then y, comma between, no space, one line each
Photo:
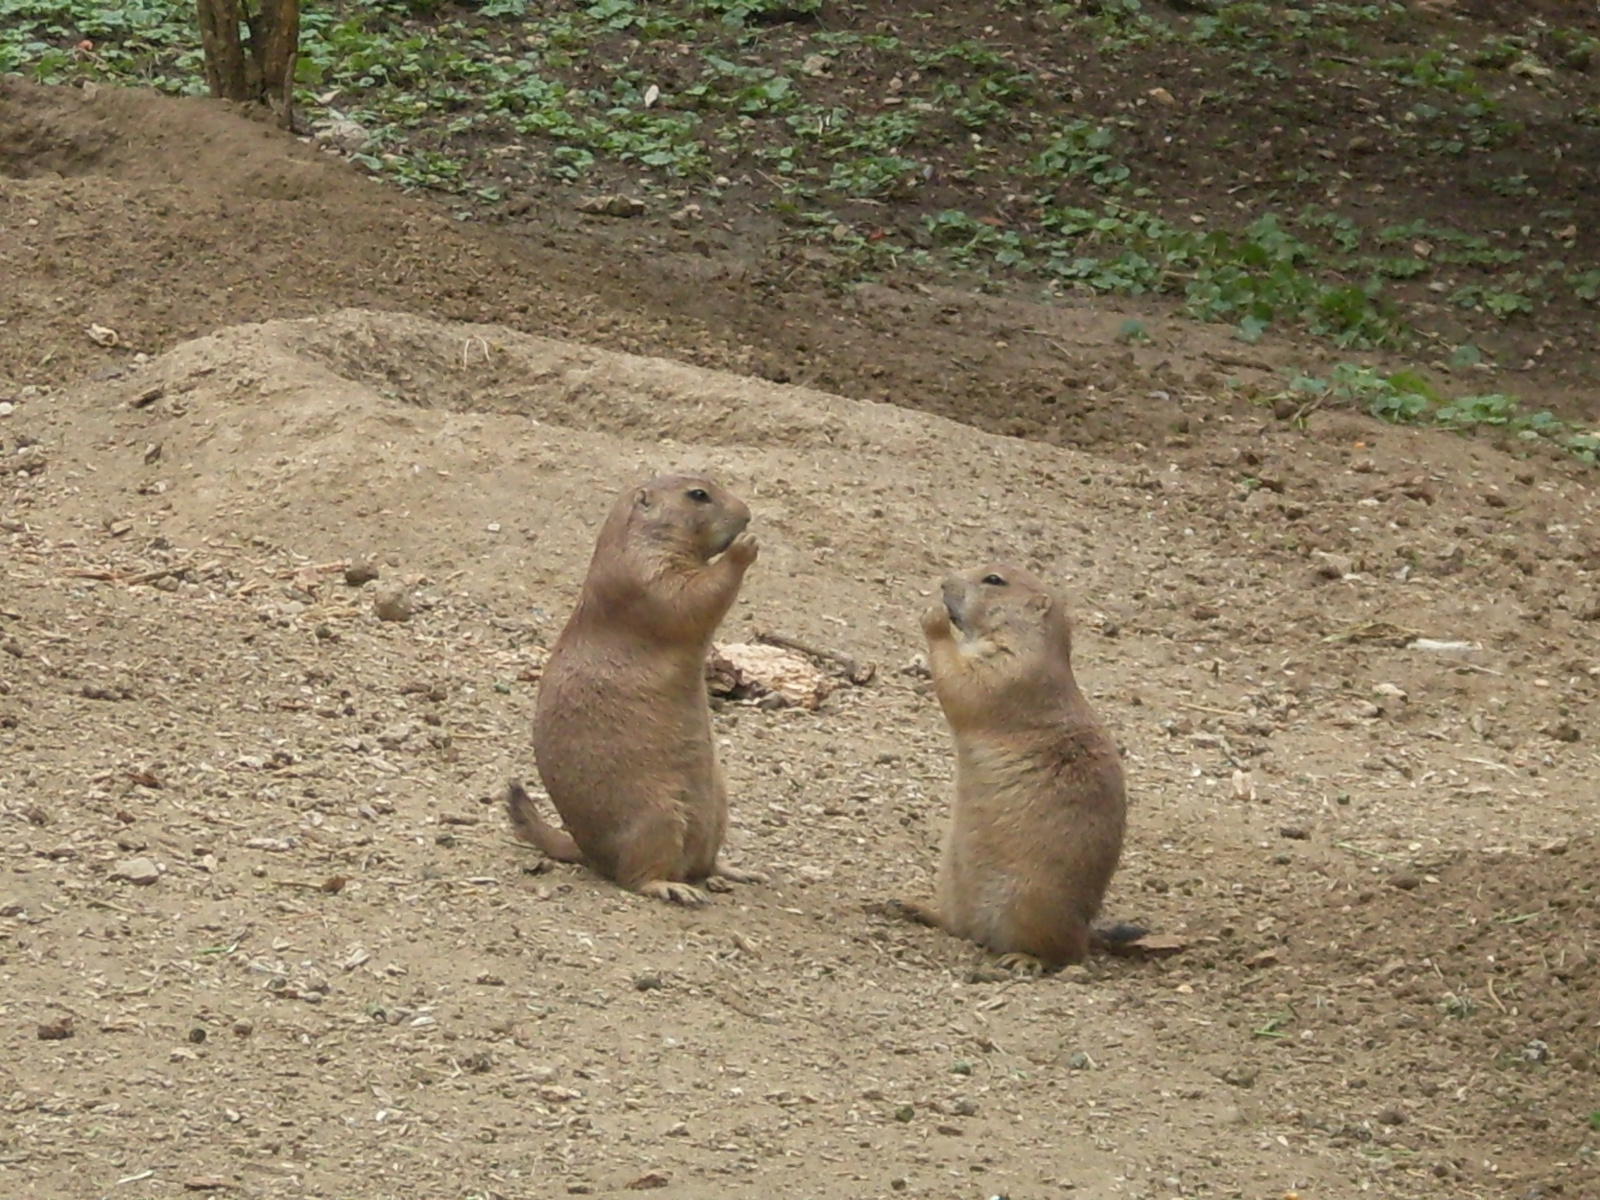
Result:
685,515
1000,646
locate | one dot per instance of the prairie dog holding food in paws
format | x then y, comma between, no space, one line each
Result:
622,726
1040,807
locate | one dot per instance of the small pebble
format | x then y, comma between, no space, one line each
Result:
360,573
140,871
393,602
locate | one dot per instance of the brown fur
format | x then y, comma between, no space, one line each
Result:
622,727
1037,825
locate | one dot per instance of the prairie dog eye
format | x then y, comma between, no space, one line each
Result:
700,495
994,581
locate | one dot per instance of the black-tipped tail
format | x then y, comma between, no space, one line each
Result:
528,826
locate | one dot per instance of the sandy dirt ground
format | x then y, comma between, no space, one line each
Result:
263,931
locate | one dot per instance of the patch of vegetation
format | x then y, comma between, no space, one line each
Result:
1404,398
1498,301
152,43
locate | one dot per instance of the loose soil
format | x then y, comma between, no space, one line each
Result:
344,980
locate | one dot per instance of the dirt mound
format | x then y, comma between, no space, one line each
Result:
40,142
252,853
163,219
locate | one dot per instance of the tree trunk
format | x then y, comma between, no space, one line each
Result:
266,74
280,45
219,34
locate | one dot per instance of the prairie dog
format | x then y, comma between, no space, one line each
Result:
1037,824
622,727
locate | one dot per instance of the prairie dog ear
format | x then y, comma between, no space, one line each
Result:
1041,603
641,498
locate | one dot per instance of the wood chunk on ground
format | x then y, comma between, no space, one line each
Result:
741,671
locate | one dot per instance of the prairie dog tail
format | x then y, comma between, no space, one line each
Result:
1113,938
528,826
